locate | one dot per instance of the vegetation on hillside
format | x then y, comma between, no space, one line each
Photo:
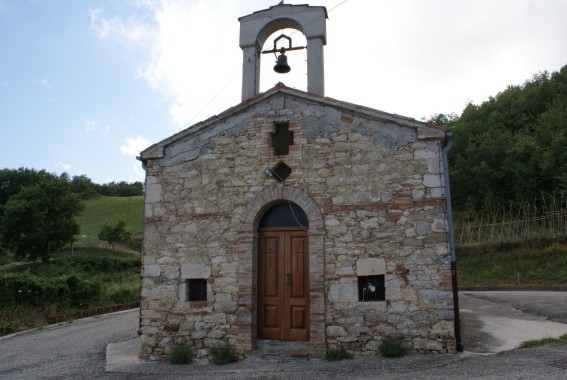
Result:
84,186
37,213
533,263
511,149
32,296
111,210
112,235
38,210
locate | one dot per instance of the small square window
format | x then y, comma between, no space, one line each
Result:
371,288
197,289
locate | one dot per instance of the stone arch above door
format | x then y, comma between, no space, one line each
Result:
245,336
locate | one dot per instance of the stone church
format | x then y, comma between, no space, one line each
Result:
297,219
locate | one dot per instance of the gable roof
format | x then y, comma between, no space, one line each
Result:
424,130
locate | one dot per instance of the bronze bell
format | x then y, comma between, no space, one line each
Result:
281,65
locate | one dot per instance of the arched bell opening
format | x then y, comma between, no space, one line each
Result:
296,59
257,28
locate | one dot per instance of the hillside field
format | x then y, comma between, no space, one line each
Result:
110,210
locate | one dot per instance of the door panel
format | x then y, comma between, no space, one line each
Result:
271,316
271,268
297,266
283,285
298,317
270,285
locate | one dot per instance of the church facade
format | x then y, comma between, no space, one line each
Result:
297,218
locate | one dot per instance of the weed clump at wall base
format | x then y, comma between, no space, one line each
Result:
334,355
392,348
181,354
223,355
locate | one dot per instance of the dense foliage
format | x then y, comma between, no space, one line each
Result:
120,189
85,187
26,288
33,294
116,234
37,216
38,209
511,149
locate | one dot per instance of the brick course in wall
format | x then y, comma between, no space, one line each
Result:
371,185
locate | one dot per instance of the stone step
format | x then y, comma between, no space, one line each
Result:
274,351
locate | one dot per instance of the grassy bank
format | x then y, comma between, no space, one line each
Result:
92,278
109,210
535,263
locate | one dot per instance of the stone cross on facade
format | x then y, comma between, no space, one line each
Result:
281,139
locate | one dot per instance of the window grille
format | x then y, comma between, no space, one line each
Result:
197,289
371,288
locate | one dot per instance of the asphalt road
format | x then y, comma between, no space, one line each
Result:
77,351
549,305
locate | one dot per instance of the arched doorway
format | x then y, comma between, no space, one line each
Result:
283,274
245,334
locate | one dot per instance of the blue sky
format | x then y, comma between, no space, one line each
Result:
86,85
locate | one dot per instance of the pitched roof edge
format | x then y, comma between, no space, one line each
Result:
425,130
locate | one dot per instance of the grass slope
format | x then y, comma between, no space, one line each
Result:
526,265
110,210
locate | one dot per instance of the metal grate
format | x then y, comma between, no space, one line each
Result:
371,288
197,289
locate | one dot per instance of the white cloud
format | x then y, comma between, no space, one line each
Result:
409,57
92,126
133,146
139,170
43,82
62,165
132,30
187,45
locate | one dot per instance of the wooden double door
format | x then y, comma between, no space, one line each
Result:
283,284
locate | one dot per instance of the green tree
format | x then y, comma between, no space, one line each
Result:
511,149
14,180
39,219
84,187
116,234
120,189
441,119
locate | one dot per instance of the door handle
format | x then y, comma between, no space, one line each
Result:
288,281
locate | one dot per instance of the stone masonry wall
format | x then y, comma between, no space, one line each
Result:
380,192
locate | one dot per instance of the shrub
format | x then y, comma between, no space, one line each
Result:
223,355
392,348
26,288
556,249
334,355
123,294
181,354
